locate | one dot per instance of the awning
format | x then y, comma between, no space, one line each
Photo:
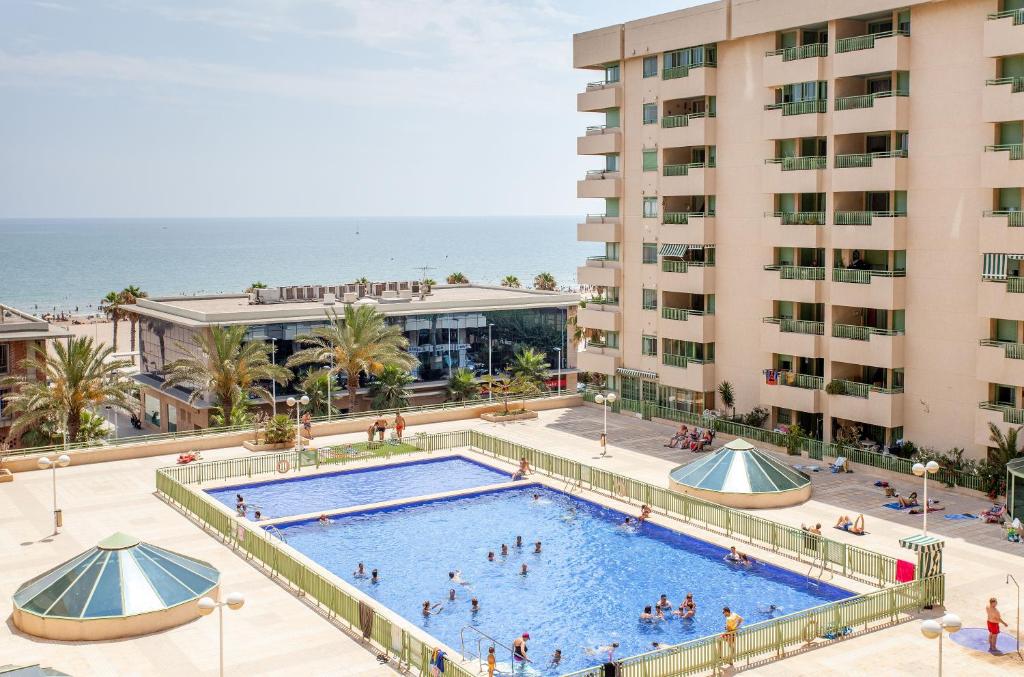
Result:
636,373
993,266
922,543
674,249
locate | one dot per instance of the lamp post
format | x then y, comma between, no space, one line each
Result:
273,382
1009,577
330,375
932,629
62,461
559,387
923,470
234,601
490,371
605,401
298,404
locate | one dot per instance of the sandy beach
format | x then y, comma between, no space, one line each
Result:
101,330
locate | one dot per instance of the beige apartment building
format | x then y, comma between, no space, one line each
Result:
818,201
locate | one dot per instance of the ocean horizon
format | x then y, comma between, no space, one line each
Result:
68,265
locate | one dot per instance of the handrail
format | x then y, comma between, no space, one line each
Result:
865,159
861,333
599,218
1010,414
799,107
798,218
1016,150
681,314
1017,14
859,42
815,49
862,390
862,218
865,100
1014,217
601,84
863,276
1011,349
790,326
800,162
798,380
484,635
684,70
683,218
788,272
1016,82
684,169
683,120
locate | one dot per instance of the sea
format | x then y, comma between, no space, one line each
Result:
68,265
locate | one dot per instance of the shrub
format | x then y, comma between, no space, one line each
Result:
755,417
280,429
794,439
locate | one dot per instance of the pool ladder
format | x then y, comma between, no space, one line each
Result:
822,566
274,531
481,637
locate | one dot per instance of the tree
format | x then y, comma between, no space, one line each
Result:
389,390
545,281
93,427
462,386
578,332
507,386
226,366
79,375
457,278
362,280
1004,449
429,282
793,440
239,413
529,365
725,391
111,307
129,297
359,342
511,281
314,385
255,285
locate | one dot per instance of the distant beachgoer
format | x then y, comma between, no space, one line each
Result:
628,522
426,607
523,470
688,608
374,578
647,616
536,548
733,621
324,519
607,649
399,426
645,512
451,594
536,497
360,571
307,425
816,529
733,556
370,432
381,424
908,501
519,541
239,500
556,658
474,605
853,526
257,516
663,602
659,613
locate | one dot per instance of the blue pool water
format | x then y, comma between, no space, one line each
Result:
586,588
343,489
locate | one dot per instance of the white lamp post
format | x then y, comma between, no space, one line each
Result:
330,375
490,371
559,387
292,402
932,629
605,401
923,470
234,601
273,382
62,461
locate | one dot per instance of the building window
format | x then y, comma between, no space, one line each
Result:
650,299
650,113
153,410
650,66
649,345
650,252
172,418
611,73
5,358
650,207
650,160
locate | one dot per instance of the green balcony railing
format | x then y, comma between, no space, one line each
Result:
601,259
796,380
1010,413
670,121
800,107
790,164
865,159
864,41
850,218
860,333
673,360
1016,150
787,272
603,301
860,276
851,388
802,52
684,169
683,218
1016,83
1017,14
680,314
798,218
865,100
1015,285
1014,217
1011,350
791,326
683,71
674,266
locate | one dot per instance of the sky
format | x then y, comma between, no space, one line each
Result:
177,108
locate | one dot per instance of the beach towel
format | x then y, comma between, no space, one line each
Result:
849,532
893,506
961,516
904,571
366,619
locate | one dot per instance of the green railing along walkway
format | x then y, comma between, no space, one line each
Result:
787,272
859,42
802,52
791,326
866,159
798,218
800,107
862,218
790,164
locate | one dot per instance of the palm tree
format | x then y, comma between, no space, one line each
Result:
111,307
227,366
314,385
578,332
77,376
239,413
360,342
362,280
507,386
457,278
256,285
728,396
530,366
389,390
462,386
511,281
429,282
545,281
129,296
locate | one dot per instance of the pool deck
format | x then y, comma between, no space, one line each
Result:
277,633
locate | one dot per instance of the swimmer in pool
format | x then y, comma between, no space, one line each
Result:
536,548
257,515
628,522
659,613
504,550
663,602
374,578
490,556
556,658
324,519
431,610
451,595
536,497
456,577
770,610
474,605
647,616
519,541
608,650
360,571
523,569
734,555
688,608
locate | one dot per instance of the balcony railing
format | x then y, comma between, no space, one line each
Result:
798,218
603,301
602,259
860,333
799,107
682,361
1010,413
787,272
1014,217
802,52
683,266
856,389
670,121
860,276
1011,350
684,169
847,218
594,130
683,218
865,159
602,218
1016,83
680,314
797,380
601,173
601,84
864,41
1015,285
1017,14
865,100
790,164
791,326
1016,150
683,71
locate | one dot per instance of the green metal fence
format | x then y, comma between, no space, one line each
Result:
790,164
865,159
1016,150
798,218
1017,14
859,42
800,107
1014,217
802,52
1011,350
859,276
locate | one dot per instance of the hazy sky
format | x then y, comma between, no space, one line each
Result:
294,107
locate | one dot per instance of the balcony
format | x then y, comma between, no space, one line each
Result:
785,336
686,276
1000,362
1004,33
876,53
599,360
795,119
856,344
694,178
868,404
868,288
870,112
799,392
794,283
1002,298
870,171
685,82
679,371
1003,416
1001,231
686,218
600,271
599,184
794,64
599,228
794,175
793,229
1002,165
599,96
1002,100
682,131
683,324
869,230
600,140
602,316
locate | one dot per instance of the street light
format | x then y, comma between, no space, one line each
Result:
923,470
605,401
292,402
234,601
1009,577
559,351
273,381
62,461
330,375
932,629
490,372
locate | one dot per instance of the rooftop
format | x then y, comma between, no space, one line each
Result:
17,325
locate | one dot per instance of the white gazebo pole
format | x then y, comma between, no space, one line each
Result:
923,470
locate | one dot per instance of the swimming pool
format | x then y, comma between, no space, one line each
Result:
585,589
347,488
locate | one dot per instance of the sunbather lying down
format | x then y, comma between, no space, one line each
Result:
853,526
908,501
920,510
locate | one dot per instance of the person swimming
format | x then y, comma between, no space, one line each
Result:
451,595
474,605
431,610
659,613
536,497
607,649
645,512
490,556
257,516
647,616
734,555
504,550
688,608
360,571
519,541
663,602
770,610
324,519
374,578
536,548
523,569
556,658
456,577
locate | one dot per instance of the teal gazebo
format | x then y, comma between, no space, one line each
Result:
1015,487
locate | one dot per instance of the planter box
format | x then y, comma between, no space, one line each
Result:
6,476
498,417
253,446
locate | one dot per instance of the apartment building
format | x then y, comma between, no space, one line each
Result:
818,202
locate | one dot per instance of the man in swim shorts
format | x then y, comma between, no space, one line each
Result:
994,618
519,654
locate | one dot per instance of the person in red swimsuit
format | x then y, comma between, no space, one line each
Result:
994,619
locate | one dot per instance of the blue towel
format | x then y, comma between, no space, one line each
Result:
892,506
961,516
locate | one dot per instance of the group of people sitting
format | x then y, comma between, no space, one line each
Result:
697,439
656,612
